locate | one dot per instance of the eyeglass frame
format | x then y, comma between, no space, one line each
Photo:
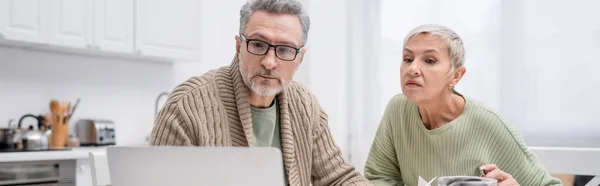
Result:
269,48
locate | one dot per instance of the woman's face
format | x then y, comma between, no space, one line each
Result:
425,69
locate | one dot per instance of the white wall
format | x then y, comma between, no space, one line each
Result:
220,25
119,90
550,71
326,63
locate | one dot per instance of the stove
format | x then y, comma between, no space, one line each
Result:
39,173
37,150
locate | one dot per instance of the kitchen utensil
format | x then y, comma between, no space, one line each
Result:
60,129
71,111
67,113
466,181
55,109
34,139
74,107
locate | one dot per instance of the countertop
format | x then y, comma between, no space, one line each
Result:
74,153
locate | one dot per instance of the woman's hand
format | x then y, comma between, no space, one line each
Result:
504,179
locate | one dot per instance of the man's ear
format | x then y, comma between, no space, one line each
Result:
301,57
237,44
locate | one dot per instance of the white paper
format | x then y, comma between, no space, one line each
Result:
423,182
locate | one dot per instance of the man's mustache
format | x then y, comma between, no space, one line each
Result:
267,73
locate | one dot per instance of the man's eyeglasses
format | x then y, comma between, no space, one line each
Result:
258,47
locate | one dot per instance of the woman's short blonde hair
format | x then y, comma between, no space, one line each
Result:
455,44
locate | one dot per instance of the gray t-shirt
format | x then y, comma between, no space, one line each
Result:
265,128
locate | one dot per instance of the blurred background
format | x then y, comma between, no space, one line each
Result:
532,61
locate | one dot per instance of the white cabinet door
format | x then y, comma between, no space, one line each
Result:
168,28
114,25
70,23
83,176
24,20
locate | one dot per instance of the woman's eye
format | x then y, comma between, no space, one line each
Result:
430,61
408,60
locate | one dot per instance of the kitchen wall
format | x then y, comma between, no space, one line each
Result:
220,24
125,91
120,90
550,76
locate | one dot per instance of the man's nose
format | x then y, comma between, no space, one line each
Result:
270,59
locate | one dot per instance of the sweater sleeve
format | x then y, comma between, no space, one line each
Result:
382,167
329,166
169,128
521,163
177,123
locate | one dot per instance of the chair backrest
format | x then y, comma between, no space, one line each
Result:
99,169
575,161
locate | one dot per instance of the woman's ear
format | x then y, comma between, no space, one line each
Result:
458,75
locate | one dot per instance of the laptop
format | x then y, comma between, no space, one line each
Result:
197,166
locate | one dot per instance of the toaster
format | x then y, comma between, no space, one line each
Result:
95,132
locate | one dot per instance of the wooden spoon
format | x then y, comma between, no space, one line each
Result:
67,113
55,110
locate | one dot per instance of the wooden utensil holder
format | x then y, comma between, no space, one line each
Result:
60,134
60,125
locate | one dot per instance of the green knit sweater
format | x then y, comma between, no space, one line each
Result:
403,149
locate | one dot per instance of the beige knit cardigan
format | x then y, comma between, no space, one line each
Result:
213,110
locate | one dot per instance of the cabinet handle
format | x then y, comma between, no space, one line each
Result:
89,46
1,36
138,52
97,47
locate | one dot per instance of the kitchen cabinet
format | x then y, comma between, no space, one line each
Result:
24,20
150,29
114,25
52,172
75,162
70,23
83,173
168,28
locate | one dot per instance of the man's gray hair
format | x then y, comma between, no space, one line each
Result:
455,44
291,7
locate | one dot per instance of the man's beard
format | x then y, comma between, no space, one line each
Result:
265,87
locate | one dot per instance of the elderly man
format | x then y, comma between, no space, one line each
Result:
253,102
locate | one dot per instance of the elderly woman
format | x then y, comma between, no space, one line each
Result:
431,130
